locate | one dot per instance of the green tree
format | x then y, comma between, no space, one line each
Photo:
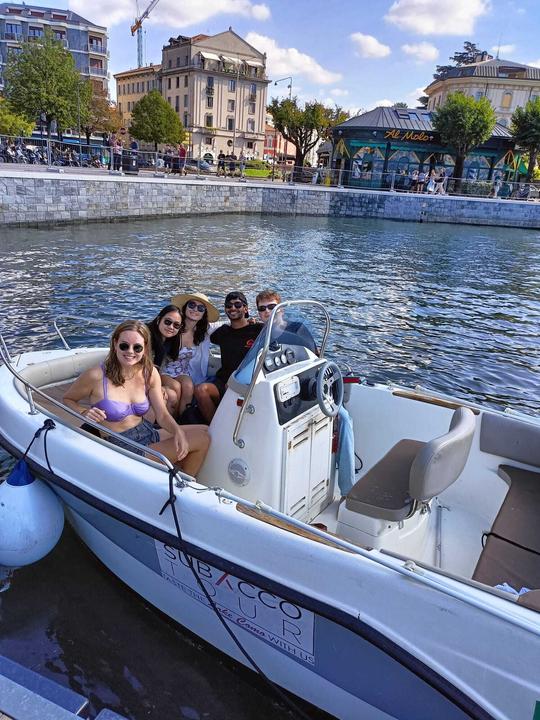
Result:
154,120
12,123
100,115
303,127
467,56
526,131
423,101
42,80
400,105
463,123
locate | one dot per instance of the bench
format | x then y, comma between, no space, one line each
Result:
512,547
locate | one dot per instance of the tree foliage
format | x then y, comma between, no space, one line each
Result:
467,56
154,120
423,101
304,126
400,105
101,115
464,123
12,123
526,131
42,80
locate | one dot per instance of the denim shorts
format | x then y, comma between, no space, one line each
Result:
144,433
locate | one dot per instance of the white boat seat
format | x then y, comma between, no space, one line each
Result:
413,472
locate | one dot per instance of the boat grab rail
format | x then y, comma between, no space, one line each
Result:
6,358
262,357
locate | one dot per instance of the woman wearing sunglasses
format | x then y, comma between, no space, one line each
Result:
124,388
165,335
199,318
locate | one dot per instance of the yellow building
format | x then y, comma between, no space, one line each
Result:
507,85
132,85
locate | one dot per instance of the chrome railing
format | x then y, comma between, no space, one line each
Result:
276,312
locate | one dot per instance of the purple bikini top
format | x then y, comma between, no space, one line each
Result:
117,411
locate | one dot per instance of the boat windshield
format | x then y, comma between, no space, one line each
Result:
290,330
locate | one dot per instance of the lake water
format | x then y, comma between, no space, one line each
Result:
451,308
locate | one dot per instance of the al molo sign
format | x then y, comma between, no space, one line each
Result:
410,135
277,621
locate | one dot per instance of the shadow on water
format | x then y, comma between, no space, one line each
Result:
452,308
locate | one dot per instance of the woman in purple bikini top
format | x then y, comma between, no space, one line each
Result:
116,410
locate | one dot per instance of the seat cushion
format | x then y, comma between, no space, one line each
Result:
383,492
502,562
518,517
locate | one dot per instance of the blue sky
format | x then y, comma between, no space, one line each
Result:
356,53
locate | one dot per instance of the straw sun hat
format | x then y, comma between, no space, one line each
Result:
181,300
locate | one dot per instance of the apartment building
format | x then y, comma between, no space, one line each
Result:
217,84
132,85
507,85
86,42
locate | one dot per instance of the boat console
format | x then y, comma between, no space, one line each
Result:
272,432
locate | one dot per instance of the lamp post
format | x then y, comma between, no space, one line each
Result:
289,78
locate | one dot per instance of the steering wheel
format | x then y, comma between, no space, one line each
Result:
329,388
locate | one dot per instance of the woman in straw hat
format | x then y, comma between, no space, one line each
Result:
199,318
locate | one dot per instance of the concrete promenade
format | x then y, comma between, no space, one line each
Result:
35,197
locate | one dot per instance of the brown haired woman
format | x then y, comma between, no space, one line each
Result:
124,388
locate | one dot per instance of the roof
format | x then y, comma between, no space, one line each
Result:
138,71
389,118
494,68
71,17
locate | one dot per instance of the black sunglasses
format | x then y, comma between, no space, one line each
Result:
236,305
137,348
168,322
192,305
270,306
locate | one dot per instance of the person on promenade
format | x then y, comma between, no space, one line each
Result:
182,159
440,182
221,164
430,188
198,319
124,388
232,164
242,163
117,149
414,181
421,181
235,340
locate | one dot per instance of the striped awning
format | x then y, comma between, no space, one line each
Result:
254,63
233,61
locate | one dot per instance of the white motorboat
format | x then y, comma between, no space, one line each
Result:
382,603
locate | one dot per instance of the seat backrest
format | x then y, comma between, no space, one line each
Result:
440,462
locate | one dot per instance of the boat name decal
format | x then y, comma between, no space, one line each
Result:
277,621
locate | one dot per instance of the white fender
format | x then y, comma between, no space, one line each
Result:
31,518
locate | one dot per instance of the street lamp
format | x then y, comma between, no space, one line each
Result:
289,78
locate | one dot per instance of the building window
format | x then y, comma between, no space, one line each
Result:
209,101
12,29
251,125
251,108
177,103
35,32
230,105
178,81
478,95
186,100
232,85
250,145
253,89
230,123
120,107
178,61
168,83
208,140
210,81
169,64
169,100
186,60
506,100
209,120
185,119
185,80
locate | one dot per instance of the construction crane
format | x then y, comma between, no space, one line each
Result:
137,28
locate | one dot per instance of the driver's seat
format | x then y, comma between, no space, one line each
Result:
412,472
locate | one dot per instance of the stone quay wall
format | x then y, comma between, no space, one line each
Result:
40,199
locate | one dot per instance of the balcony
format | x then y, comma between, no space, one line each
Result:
98,48
100,72
209,89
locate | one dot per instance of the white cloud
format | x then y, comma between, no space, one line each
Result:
381,103
422,51
170,12
502,50
412,98
338,92
437,17
369,47
534,63
281,62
